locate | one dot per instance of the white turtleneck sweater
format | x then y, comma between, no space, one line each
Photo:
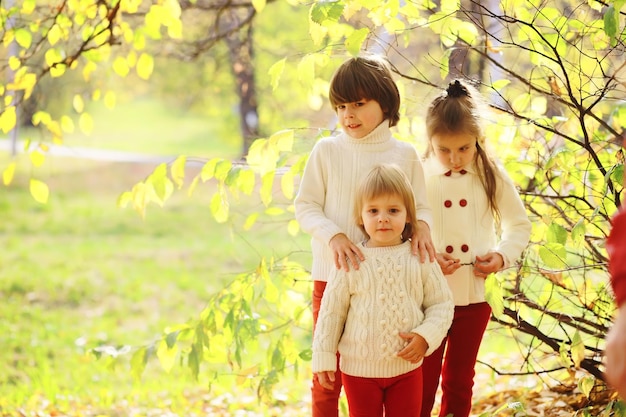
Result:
326,194
363,311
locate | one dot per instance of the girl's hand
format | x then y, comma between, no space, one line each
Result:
485,265
447,263
345,252
422,243
415,350
326,379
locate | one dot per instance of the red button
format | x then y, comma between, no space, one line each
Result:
447,174
463,172
463,202
447,203
449,249
464,248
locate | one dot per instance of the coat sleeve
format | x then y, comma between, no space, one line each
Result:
311,197
330,323
438,306
514,221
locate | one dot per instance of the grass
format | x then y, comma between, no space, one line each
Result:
80,272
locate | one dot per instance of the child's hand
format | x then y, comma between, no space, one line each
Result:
415,350
343,251
485,265
447,263
326,379
422,243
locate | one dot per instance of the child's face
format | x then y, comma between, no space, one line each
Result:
454,151
384,219
359,118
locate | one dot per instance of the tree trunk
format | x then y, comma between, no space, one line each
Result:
241,58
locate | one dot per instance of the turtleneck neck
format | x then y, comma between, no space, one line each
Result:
379,136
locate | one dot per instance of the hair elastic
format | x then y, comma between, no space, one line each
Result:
456,89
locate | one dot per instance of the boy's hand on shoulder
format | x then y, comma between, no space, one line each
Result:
345,252
326,379
415,350
422,243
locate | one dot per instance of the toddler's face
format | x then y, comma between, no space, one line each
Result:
384,219
359,118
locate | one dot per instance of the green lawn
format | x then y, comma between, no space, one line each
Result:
80,272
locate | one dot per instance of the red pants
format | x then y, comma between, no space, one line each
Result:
325,403
461,350
400,396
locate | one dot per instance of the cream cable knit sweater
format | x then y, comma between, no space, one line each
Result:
363,311
326,193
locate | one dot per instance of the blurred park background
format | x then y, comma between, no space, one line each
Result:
151,265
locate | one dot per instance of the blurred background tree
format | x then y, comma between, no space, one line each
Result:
554,74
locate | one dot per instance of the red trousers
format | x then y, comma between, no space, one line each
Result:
400,396
325,403
457,374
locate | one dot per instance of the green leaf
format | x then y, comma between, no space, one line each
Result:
578,349
553,255
585,384
177,170
166,355
327,10
275,72
354,42
138,362
493,295
556,234
611,21
39,190
306,355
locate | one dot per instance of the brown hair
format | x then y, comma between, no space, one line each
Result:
458,109
387,179
366,78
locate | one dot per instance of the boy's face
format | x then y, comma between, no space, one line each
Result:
359,118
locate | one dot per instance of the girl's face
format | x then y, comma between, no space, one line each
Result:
359,118
454,151
384,219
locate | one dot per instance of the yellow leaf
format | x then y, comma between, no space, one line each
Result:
14,63
109,99
78,103
275,72
37,158
85,123
54,35
293,227
8,174
53,56
23,38
124,198
259,5
67,124
145,66
250,221
166,355
120,66
8,119
39,190
28,6
219,208
178,170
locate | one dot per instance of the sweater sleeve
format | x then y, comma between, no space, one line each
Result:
515,225
418,181
330,323
616,248
311,197
438,306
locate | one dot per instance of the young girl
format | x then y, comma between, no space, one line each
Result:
387,315
480,227
367,102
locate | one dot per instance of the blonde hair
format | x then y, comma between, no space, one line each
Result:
458,109
366,78
387,179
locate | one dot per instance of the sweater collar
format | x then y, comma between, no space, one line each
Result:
380,135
